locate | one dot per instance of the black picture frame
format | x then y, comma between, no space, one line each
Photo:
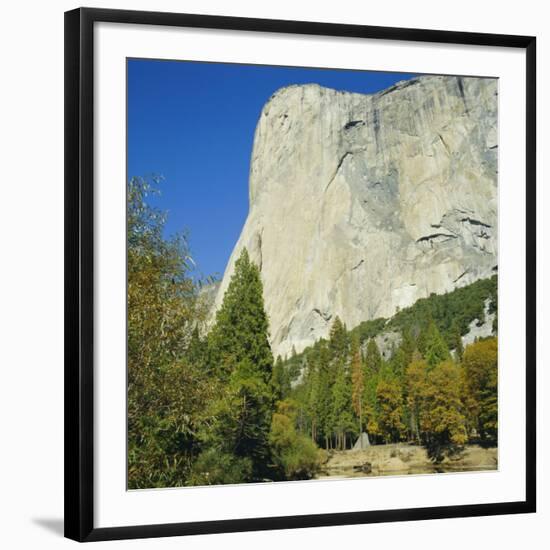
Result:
79,273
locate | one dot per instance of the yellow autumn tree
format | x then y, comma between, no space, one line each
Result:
416,385
390,408
442,418
480,364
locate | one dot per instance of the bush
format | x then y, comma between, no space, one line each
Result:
214,467
295,456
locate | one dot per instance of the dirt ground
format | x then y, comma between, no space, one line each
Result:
403,459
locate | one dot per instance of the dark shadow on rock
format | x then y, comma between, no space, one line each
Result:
54,525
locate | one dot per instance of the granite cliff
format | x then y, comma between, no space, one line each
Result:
362,204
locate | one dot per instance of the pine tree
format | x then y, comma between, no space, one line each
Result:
373,359
294,365
325,381
241,330
241,355
338,342
370,404
312,385
407,346
280,380
398,363
456,341
341,405
371,410
436,349
357,382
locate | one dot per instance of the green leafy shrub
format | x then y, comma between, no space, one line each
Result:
214,467
294,455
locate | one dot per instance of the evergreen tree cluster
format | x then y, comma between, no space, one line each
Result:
423,393
452,313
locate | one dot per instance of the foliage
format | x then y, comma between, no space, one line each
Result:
214,408
421,393
442,421
240,356
434,348
452,311
338,341
480,388
370,402
416,380
456,341
368,329
357,382
280,380
213,467
163,310
324,382
341,421
294,365
389,396
200,409
294,455
241,330
241,419
373,359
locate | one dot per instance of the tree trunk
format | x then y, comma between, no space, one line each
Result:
416,427
360,425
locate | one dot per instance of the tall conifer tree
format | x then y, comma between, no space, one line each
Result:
338,342
436,350
241,330
357,382
240,353
373,358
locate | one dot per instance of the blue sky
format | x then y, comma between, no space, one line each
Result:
193,124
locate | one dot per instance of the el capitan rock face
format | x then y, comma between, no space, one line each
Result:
362,204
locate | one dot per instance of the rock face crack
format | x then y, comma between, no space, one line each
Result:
444,144
475,222
441,237
260,259
357,265
324,315
399,86
339,165
353,123
376,125
256,249
461,275
460,82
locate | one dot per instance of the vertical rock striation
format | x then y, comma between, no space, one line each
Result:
362,204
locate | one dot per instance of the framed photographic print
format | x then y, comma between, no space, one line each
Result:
300,274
